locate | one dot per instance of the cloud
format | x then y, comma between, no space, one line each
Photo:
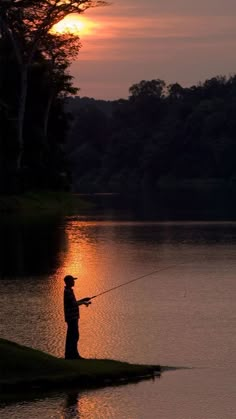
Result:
125,39
182,41
142,8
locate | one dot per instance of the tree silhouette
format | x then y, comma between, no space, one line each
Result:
26,23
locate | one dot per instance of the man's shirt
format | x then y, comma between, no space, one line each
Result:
71,309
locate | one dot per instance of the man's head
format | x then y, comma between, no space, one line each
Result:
69,280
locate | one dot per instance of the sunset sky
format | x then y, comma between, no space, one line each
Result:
181,41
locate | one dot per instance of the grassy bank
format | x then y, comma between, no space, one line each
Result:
29,369
42,202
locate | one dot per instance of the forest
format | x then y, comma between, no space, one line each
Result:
161,135
51,138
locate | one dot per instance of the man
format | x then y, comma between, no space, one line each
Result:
71,311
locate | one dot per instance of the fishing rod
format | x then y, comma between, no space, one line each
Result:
132,280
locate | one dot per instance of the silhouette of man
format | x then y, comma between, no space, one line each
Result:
71,311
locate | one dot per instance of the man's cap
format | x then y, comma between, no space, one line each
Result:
69,278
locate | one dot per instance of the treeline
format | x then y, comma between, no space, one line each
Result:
162,134
34,82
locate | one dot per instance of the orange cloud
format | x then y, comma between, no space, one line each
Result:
177,42
125,39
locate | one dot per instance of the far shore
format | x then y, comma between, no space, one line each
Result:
43,203
170,198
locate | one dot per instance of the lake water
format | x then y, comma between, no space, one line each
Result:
184,316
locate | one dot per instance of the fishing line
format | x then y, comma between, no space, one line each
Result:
133,280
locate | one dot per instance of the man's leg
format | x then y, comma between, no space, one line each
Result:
72,337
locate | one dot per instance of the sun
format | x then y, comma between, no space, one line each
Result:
74,24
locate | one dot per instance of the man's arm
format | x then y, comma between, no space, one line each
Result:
84,301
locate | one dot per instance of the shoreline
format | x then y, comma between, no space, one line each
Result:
42,203
37,371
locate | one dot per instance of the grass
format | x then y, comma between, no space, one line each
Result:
42,202
23,367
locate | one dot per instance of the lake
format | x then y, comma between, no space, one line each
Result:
183,316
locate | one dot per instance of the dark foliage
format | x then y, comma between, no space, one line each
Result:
160,135
44,163
34,82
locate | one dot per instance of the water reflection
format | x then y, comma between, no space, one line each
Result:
71,408
49,245
63,405
184,316
31,247
200,203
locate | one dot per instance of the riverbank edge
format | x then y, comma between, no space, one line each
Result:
25,368
43,202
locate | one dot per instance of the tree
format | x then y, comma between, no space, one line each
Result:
26,23
58,52
49,83
147,99
175,92
152,88
46,122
